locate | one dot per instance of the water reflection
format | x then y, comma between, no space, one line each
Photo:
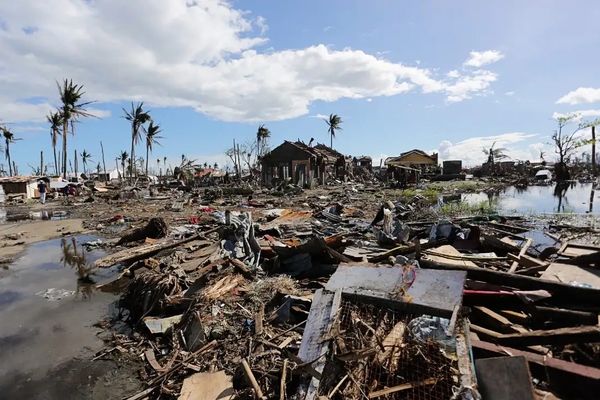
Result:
75,258
569,197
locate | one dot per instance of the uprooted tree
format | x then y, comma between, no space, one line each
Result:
567,141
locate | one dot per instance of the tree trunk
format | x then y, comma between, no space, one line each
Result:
132,154
65,132
76,162
147,150
103,162
55,160
41,162
331,142
10,166
594,172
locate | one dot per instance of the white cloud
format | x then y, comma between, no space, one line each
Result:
203,55
319,116
471,150
510,93
478,59
467,86
581,95
581,114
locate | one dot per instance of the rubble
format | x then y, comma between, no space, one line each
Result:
348,291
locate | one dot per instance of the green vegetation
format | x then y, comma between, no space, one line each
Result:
463,208
430,194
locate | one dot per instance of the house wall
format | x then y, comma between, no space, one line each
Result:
29,189
415,159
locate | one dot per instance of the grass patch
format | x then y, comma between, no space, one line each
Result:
463,208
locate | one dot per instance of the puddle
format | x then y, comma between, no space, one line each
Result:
39,332
572,197
15,215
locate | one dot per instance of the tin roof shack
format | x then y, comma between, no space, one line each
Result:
451,169
20,186
301,164
427,164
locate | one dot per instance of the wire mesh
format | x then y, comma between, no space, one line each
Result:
374,351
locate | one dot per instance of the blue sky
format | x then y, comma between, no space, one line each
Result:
437,75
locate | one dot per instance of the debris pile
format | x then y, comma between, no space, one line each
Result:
339,299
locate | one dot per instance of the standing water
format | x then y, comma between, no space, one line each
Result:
571,197
48,308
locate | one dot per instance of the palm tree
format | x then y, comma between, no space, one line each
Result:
262,134
151,139
71,109
494,154
123,158
55,120
9,138
333,124
85,156
138,117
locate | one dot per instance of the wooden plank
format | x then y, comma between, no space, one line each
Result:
567,273
207,386
527,261
498,321
548,362
323,312
403,250
574,249
130,255
504,378
523,251
579,334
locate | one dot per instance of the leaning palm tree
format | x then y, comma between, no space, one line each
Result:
494,154
71,109
262,134
138,117
9,138
55,120
151,139
85,157
123,158
333,124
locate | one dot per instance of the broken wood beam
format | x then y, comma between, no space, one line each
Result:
548,362
578,334
403,250
523,251
282,382
576,297
129,255
565,316
252,380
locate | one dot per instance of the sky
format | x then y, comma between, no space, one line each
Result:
450,77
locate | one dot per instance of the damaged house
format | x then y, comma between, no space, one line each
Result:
409,166
302,164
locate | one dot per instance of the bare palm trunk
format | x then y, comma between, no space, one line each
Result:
331,143
65,131
147,150
55,160
594,171
10,169
132,154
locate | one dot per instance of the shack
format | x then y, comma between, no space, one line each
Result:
418,159
302,164
23,186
